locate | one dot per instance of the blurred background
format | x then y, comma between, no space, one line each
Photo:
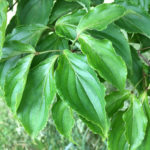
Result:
13,136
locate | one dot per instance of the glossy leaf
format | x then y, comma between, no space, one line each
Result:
65,8
15,48
116,138
115,101
139,3
118,40
16,81
13,71
102,57
145,144
93,127
146,106
3,21
135,123
81,89
100,17
136,21
66,25
67,48
28,34
5,67
38,95
63,118
84,3
40,11
12,52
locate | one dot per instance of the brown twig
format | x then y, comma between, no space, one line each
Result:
48,51
143,58
144,49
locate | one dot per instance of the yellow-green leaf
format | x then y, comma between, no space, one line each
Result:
102,57
135,123
100,17
3,22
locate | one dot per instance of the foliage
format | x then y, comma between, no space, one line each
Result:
79,57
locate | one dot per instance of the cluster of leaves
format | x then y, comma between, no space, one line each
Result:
60,55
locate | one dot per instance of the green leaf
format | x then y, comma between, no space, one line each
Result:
118,40
5,67
13,71
102,57
16,81
147,107
144,100
52,42
137,21
139,3
145,144
63,118
3,22
140,39
65,8
28,34
100,17
116,138
143,3
78,85
84,3
15,48
38,95
115,101
137,74
1,93
97,2
12,52
10,3
66,25
93,127
34,11
12,24
135,123
49,42
143,40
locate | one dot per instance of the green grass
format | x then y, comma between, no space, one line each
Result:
13,136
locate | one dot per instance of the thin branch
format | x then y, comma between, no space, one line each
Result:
143,58
48,51
144,49
137,84
11,7
74,41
